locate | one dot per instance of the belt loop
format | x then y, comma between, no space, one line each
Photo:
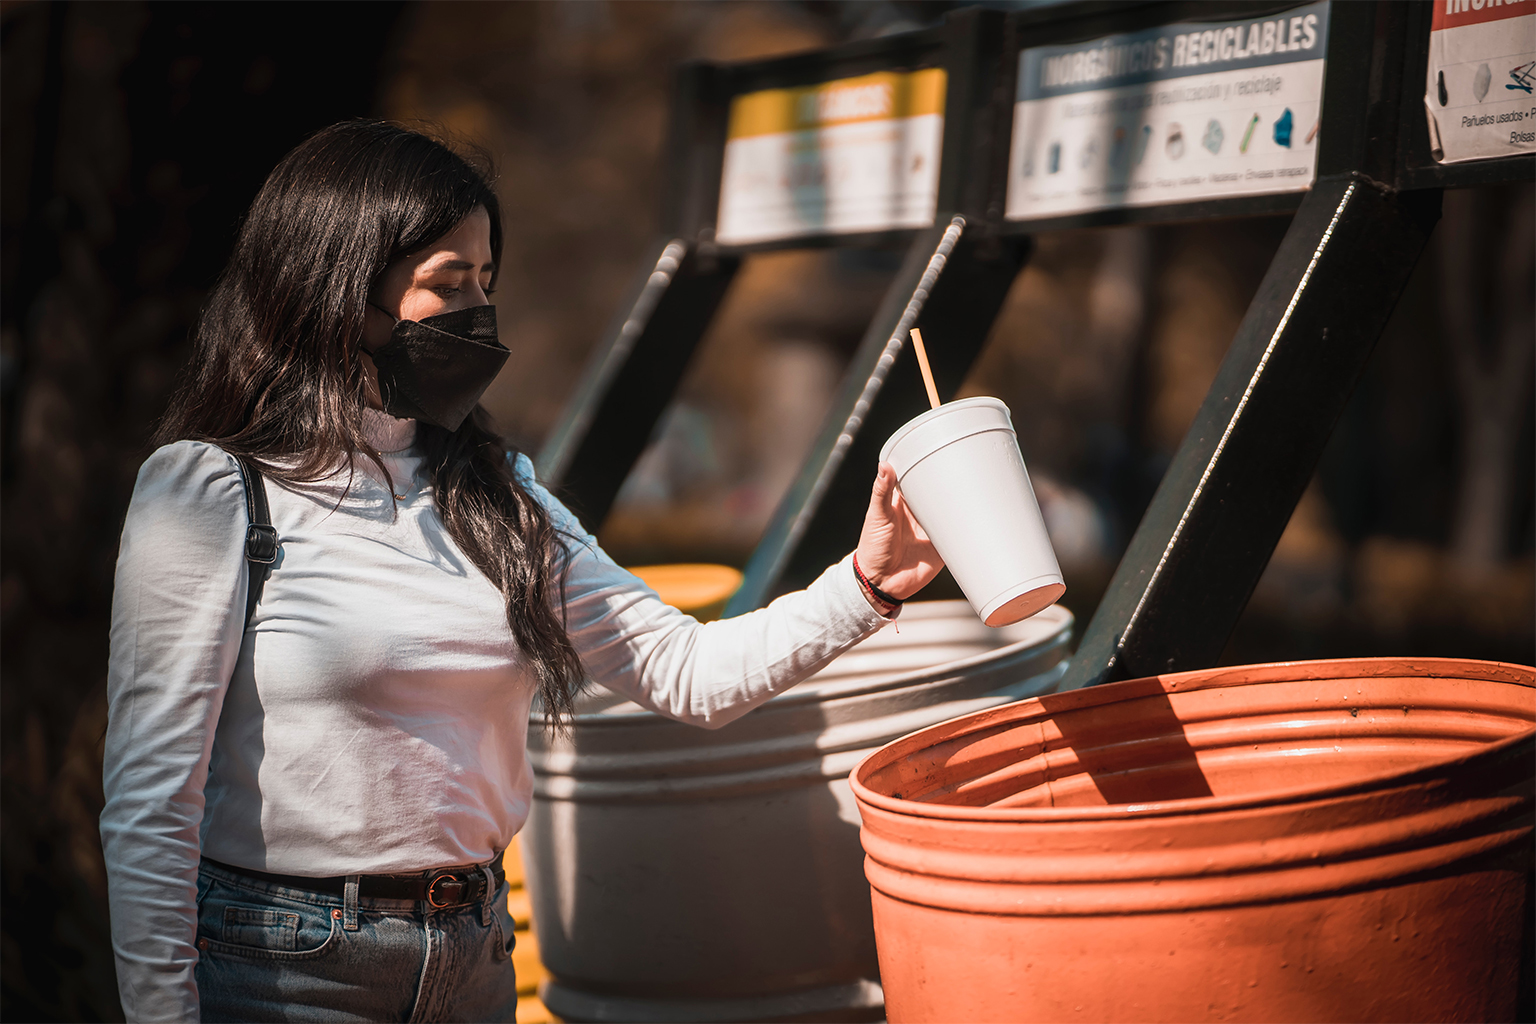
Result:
349,903
490,893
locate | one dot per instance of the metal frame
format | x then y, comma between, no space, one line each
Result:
1214,521
1231,488
624,391
951,284
637,367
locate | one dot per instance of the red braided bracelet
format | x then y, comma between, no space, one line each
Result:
882,595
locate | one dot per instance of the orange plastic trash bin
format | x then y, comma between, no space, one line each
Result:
1338,840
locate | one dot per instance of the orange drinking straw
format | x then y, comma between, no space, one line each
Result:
922,362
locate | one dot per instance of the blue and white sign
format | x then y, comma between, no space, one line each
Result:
1197,110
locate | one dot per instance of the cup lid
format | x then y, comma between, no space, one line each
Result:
923,435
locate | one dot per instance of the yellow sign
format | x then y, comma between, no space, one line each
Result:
853,155
881,96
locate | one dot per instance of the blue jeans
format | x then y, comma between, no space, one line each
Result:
271,953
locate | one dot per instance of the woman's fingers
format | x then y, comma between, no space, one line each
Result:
884,493
881,539
894,551
901,512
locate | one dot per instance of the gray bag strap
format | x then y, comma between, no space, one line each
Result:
260,535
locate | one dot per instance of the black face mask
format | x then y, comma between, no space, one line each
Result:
435,370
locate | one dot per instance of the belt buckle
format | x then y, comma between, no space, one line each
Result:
433,892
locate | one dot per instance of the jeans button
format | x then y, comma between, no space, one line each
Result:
202,944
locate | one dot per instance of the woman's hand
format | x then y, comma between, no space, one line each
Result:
894,553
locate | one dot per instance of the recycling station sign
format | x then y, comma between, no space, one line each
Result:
846,156
1482,68
1184,112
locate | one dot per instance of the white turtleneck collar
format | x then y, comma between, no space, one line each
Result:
389,435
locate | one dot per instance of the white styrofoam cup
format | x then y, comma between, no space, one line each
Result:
960,471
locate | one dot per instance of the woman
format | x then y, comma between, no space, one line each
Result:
306,806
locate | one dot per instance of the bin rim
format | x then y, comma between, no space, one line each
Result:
1057,624
1021,711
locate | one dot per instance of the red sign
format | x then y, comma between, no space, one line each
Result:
1456,13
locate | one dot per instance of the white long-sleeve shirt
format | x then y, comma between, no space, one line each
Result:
372,716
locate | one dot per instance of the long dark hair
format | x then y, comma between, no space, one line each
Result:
276,373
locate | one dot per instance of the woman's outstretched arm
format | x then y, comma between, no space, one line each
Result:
711,674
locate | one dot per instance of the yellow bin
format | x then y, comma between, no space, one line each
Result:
697,588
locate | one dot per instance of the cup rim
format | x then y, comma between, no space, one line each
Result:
948,408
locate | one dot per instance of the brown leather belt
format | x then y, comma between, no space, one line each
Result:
450,887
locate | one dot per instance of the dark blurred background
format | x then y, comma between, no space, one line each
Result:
133,135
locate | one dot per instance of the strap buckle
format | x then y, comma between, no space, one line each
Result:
450,889
261,544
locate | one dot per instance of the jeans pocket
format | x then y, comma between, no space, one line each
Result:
250,925
273,930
